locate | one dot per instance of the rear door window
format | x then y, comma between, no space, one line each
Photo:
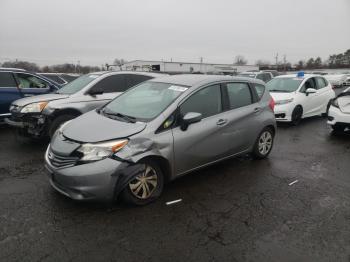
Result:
133,80
206,101
30,81
239,95
321,83
7,80
113,83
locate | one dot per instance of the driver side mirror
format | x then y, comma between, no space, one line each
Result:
95,91
190,118
310,91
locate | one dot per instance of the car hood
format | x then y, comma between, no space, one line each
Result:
282,96
47,97
93,127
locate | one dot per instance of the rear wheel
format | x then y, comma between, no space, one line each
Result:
58,122
297,115
146,186
264,143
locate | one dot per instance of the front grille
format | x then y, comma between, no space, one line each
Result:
61,161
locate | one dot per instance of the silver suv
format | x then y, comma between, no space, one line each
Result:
157,131
40,116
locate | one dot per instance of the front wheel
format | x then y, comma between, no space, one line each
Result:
146,186
263,144
58,122
297,114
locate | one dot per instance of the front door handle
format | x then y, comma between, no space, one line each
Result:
27,95
257,109
221,122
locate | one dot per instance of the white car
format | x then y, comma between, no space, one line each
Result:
336,80
300,96
339,111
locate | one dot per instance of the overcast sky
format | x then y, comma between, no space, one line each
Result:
96,32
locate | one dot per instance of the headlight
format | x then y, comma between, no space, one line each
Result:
283,102
98,151
34,107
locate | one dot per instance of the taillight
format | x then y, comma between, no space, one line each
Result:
272,104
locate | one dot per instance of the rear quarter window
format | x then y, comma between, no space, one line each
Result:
260,90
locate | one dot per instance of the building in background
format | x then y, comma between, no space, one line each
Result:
184,67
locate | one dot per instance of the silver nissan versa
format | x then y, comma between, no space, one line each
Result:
157,131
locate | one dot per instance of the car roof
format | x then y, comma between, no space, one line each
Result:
296,76
196,79
12,69
151,74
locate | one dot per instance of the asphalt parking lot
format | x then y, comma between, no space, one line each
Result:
238,210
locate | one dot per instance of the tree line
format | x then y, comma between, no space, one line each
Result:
61,68
341,60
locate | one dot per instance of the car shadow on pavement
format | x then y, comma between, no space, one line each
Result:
303,122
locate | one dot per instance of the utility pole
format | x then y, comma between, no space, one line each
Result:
201,61
276,58
284,62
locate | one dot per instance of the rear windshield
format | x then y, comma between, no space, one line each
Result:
285,84
77,84
54,78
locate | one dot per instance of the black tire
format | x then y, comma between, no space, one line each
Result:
257,152
297,114
57,122
129,197
338,128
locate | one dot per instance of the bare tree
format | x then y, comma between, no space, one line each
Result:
262,62
240,60
119,62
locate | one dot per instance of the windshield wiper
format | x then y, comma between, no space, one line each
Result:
119,115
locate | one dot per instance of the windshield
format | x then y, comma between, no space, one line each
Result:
248,75
144,102
287,84
77,84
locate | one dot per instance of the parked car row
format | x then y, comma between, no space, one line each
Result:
300,96
125,134
18,83
41,116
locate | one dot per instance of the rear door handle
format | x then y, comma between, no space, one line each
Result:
221,122
27,95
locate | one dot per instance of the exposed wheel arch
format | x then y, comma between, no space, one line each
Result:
66,111
163,164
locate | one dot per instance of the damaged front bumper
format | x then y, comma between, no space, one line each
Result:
101,180
34,125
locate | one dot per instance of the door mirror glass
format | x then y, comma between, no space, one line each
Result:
95,91
190,118
310,91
